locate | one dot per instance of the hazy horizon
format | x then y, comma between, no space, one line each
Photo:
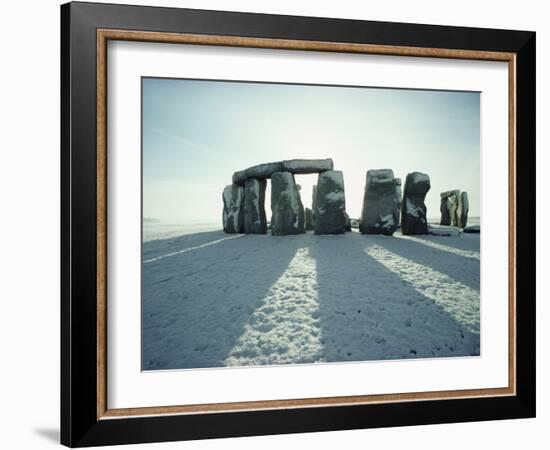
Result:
197,133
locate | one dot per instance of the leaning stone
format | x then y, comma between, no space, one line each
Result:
265,170
302,166
472,229
380,203
308,219
330,203
443,230
254,221
413,210
286,206
233,197
463,208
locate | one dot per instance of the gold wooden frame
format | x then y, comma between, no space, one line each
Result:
104,35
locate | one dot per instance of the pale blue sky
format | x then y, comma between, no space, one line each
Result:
197,133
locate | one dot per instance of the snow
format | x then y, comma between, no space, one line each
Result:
387,219
209,301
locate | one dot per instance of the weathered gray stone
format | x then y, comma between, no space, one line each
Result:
445,213
308,219
286,206
348,221
449,207
233,198
463,208
413,210
398,197
380,213
296,166
472,229
302,166
443,230
313,203
265,170
330,203
254,221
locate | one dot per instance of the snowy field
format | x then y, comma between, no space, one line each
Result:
211,299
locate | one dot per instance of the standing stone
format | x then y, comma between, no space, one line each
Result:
452,204
449,207
380,213
313,203
348,222
413,210
445,213
233,197
254,221
398,198
330,203
286,206
308,219
463,208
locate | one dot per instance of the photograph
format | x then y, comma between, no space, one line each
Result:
307,224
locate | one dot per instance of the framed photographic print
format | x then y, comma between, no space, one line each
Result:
277,224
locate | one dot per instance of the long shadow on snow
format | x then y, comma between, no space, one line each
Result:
159,247
460,268
366,312
469,242
196,304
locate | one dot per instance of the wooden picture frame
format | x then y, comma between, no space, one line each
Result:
86,418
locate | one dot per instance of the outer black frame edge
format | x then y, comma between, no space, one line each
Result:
65,227
525,222
79,426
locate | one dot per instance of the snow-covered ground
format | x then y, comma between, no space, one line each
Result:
212,299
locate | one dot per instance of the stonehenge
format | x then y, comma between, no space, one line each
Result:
454,208
330,203
233,197
286,205
413,209
381,201
244,210
254,218
385,207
